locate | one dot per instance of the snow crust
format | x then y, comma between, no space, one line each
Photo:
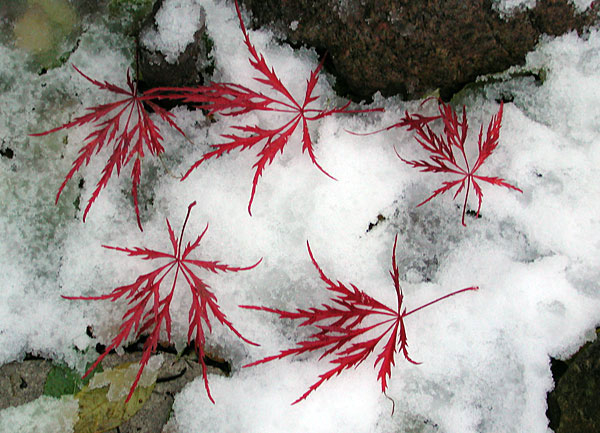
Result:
485,354
43,415
175,26
506,7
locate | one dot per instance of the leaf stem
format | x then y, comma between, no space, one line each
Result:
440,299
183,230
464,211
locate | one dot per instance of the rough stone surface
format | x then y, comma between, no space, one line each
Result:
23,382
187,70
172,377
410,47
573,404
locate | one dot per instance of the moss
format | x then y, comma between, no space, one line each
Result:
208,66
129,15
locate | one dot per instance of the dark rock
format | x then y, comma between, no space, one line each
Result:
412,48
22,382
174,374
189,68
573,404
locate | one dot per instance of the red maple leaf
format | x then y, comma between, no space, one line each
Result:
149,307
127,127
342,333
447,153
230,99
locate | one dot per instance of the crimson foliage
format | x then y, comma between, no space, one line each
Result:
230,99
126,126
341,332
149,304
447,153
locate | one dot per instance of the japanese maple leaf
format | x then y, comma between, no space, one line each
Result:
352,327
230,99
447,153
124,126
149,302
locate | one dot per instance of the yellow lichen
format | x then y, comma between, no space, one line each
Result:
43,27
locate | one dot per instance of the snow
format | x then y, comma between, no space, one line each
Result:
485,354
506,7
174,29
49,415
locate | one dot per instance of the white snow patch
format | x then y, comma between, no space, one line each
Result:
507,7
176,23
485,354
43,415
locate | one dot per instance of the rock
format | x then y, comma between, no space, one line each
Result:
22,382
573,404
412,48
159,69
174,374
